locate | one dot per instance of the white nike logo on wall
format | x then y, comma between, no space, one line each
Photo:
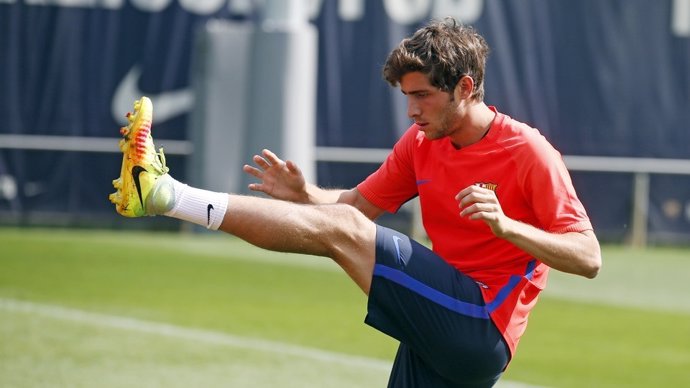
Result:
167,104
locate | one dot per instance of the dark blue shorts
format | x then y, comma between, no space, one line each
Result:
437,313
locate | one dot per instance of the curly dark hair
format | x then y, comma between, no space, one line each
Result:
443,50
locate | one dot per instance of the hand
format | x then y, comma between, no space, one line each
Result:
478,203
279,179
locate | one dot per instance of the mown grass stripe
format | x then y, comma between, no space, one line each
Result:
205,336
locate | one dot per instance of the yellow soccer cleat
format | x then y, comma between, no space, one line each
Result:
144,186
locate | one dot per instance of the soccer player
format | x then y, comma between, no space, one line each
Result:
497,204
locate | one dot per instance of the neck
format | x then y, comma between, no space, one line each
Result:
474,126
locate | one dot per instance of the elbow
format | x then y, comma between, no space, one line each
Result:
592,269
592,265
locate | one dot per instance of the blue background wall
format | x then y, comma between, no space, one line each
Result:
597,77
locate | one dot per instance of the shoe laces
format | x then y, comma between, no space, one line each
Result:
160,157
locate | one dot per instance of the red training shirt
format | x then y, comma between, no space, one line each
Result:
531,183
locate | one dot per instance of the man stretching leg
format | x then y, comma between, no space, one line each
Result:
497,203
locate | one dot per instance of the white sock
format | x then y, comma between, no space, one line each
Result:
202,207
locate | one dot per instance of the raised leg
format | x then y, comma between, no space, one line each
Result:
337,231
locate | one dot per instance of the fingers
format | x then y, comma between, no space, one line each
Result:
261,162
264,162
257,187
479,210
265,170
474,194
267,159
292,167
482,204
476,202
272,158
251,170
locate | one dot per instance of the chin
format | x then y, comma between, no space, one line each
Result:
433,135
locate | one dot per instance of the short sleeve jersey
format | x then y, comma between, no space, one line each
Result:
531,183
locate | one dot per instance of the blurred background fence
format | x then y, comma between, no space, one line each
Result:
606,81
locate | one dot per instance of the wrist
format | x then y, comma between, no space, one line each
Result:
310,194
509,229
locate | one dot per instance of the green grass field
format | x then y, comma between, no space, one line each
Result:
121,309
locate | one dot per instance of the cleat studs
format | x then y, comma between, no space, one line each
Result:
115,198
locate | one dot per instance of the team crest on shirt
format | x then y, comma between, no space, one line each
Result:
490,186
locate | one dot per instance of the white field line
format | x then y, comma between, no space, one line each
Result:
205,336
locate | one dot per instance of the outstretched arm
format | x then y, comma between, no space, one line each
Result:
284,180
574,252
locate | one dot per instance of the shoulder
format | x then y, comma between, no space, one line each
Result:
522,139
412,136
410,142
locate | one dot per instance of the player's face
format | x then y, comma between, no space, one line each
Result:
432,109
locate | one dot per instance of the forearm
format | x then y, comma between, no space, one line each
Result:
573,252
316,195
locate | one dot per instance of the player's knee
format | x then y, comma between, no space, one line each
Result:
471,363
350,231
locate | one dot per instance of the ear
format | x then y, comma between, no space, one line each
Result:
464,88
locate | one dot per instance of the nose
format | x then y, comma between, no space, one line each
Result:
412,108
